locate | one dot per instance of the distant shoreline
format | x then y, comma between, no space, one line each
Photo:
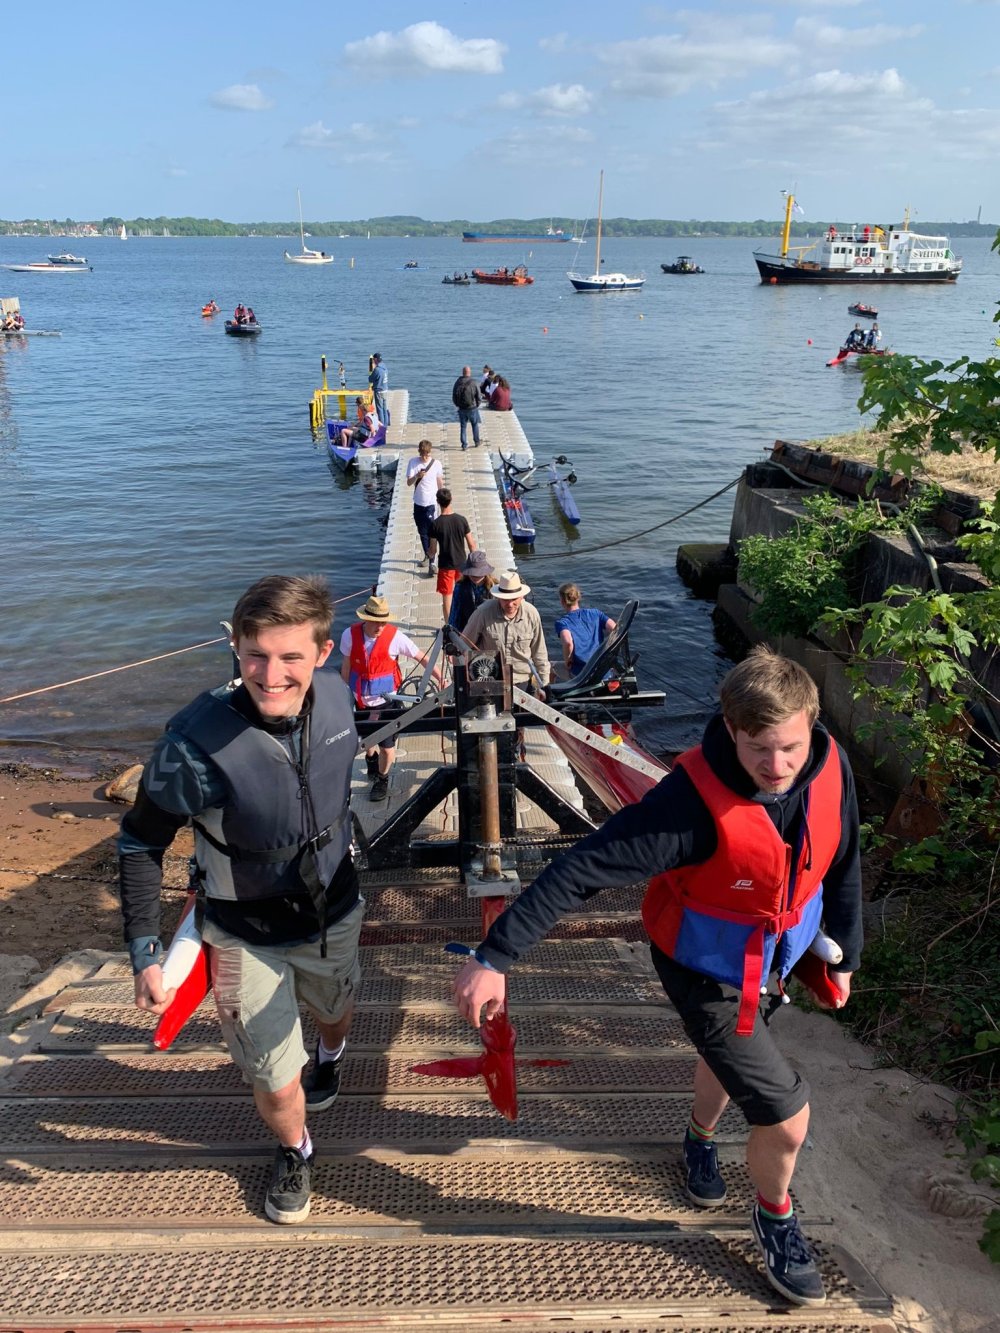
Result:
413,228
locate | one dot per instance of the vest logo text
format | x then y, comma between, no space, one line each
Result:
742,884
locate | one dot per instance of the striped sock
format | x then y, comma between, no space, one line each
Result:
306,1146
777,1212
699,1132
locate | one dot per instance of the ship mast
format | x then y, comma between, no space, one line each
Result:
787,229
600,205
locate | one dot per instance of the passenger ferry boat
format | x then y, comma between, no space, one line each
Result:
871,254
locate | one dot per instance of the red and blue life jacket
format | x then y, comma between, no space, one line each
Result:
374,672
755,894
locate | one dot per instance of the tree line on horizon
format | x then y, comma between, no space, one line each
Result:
417,228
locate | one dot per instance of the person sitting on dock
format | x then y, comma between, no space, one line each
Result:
367,425
752,840
499,398
370,665
261,764
509,625
472,588
580,629
425,475
450,534
466,397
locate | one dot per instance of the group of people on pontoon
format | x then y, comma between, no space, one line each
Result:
243,314
12,322
859,341
495,391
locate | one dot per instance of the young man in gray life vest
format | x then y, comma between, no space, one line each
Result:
262,769
750,845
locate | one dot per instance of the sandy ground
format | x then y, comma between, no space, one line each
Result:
883,1159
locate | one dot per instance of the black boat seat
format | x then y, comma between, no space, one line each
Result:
613,653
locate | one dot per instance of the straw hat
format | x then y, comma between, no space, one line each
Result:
510,586
376,608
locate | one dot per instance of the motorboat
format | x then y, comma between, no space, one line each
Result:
459,280
74,261
866,254
504,277
46,266
682,264
604,282
307,256
863,311
411,263
246,328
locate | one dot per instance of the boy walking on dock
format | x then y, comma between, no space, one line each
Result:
750,844
450,540
262,769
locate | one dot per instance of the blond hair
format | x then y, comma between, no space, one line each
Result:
569,592
766,690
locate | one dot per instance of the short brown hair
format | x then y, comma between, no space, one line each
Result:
444,497
766,690
285,599
569,592
420,446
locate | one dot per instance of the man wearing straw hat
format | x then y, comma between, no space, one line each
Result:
510,626
371,651
262,769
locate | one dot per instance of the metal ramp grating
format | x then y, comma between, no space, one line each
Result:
362,1280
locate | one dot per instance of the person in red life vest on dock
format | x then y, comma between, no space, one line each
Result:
752,843
371,651
262,769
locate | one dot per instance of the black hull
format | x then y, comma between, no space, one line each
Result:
779,273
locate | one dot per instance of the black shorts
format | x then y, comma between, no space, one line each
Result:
752,1070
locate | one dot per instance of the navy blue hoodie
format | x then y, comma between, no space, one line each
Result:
671,826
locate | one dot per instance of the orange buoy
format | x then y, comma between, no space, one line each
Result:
545,328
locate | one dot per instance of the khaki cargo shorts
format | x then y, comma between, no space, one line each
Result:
258,991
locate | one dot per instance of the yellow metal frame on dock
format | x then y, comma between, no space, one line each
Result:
318,403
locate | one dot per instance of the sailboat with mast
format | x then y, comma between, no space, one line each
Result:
604,282
307,256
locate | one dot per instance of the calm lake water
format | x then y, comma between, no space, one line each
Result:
151,468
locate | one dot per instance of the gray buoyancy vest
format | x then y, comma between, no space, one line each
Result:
286,824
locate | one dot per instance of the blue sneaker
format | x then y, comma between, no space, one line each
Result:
705,1186
789,1263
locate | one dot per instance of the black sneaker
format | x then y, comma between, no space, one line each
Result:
380,789
371,763
704,1186
323,1082
287,1198
789,1263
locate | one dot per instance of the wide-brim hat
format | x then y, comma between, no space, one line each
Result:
376,608
510,586
477,564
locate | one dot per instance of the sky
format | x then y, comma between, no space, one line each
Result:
461,110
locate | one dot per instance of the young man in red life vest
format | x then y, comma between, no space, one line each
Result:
752,843
371,651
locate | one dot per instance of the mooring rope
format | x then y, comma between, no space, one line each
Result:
160,657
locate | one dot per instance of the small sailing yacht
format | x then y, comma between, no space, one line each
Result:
307,256
604,282
123,234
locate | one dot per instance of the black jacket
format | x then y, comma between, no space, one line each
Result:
465,395
670,827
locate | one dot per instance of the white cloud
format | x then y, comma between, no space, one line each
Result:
547,148
241,97
555,44
555,100
670,65
426,48
317,136
825,39
176,171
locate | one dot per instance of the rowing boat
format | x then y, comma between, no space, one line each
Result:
512,489
846,353
561,489
31,333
